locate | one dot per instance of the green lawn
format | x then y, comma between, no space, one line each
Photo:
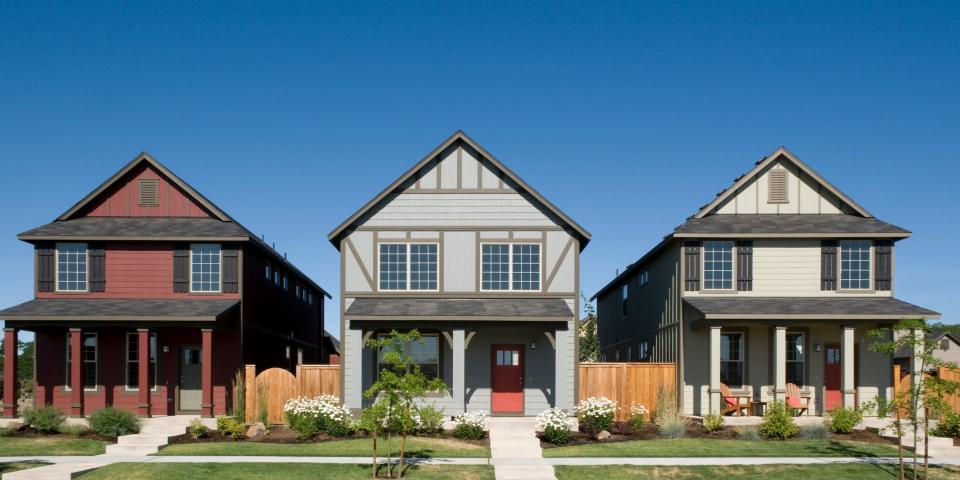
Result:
700,447
10,467
222,471
54,445
760,472
416,447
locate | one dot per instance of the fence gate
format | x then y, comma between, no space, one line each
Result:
274,386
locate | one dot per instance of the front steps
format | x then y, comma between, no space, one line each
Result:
939,447
154,433
515,450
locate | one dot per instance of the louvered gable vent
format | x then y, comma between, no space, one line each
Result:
148,192
777,191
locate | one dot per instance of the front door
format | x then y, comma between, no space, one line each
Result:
190,380
831,376
507,375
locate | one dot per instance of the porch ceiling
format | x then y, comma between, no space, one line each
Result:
488,309
89,309
806,308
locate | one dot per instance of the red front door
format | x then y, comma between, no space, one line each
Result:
831,376
507,376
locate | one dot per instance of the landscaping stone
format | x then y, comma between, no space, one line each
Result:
603,435
256,430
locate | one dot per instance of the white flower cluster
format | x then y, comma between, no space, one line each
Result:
473,419
324,406
555,418
596,407
638,410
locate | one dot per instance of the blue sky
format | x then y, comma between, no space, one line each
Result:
292,115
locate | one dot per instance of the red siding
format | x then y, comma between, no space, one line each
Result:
121,200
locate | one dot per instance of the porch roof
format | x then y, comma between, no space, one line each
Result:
769,225
97,309
807,308
525,309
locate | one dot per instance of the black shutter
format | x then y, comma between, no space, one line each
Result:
744,266
230,264
692,262
181,268
45,267
883,276
97,268
828,265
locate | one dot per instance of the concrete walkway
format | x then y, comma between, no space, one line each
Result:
515,450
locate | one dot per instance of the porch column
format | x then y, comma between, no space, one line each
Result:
459,369
9,372
714,369
76,373
352,364
143,369
847,366
206,373
564,367
917,368
780,363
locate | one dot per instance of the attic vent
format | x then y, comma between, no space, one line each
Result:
148,192
777,192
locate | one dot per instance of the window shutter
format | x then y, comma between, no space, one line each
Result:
883,272
692,261
828,265
97,268
777,187
181,268
744,266
148,196
230,268
45,267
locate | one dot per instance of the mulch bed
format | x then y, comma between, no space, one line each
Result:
286,435
27,432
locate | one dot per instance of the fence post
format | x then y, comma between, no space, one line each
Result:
250,391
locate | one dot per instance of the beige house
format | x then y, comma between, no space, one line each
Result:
776,281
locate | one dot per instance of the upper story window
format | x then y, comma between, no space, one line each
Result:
718,265
285,284
71,267
624,299
408,266
505,266
205,267
855,264
644,278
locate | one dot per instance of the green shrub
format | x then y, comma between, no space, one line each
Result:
596,414
712,422
74,430
843,419
777,422
748,433
669,420
5,431
113,422
556,435
45,420
638,416
469,426
305,425
431,420
948,426
197,429
555,424
230,427
814,432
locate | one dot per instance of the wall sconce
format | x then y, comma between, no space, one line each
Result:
166,349
533,345
818,347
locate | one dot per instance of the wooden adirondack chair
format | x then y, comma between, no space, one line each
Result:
795,401
730,403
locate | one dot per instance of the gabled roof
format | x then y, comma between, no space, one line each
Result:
458,136
142,158
781,152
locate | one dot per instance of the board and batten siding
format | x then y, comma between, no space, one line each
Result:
804,195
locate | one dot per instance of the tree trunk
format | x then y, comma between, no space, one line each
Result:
403,445
389,457
899,426
374,474
926,441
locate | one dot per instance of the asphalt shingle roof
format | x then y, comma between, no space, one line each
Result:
787,224
119,309
811,307
159,227
466,308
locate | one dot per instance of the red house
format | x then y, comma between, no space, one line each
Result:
146,282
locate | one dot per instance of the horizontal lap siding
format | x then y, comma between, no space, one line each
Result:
453,209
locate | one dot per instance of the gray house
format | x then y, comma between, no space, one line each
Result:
774,283
462,249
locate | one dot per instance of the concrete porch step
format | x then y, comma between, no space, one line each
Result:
144,439
131,450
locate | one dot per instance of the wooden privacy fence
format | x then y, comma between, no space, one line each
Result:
902,381
274,386
627,383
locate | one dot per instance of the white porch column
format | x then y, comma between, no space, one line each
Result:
848,389
916,369
352,367
714,369
780,363
459,369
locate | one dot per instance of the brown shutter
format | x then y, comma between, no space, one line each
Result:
744,266
97,267
828,265
883,273
230,264
45,267
181,268
692,261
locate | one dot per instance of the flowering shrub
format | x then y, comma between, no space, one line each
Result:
638,416
469,425
555,425
310,416
596,414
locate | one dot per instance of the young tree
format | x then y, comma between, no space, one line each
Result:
928,392
399,384
589,341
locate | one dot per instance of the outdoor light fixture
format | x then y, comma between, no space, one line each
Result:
818,347
166,349
533,345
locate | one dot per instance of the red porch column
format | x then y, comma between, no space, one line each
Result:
9,372
143,371
76,373
206,373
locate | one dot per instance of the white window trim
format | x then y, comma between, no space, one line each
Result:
733,268
56,267
96,362
407,283
743,356
126,362
510,268
409,351
219,265
870,271
803,360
